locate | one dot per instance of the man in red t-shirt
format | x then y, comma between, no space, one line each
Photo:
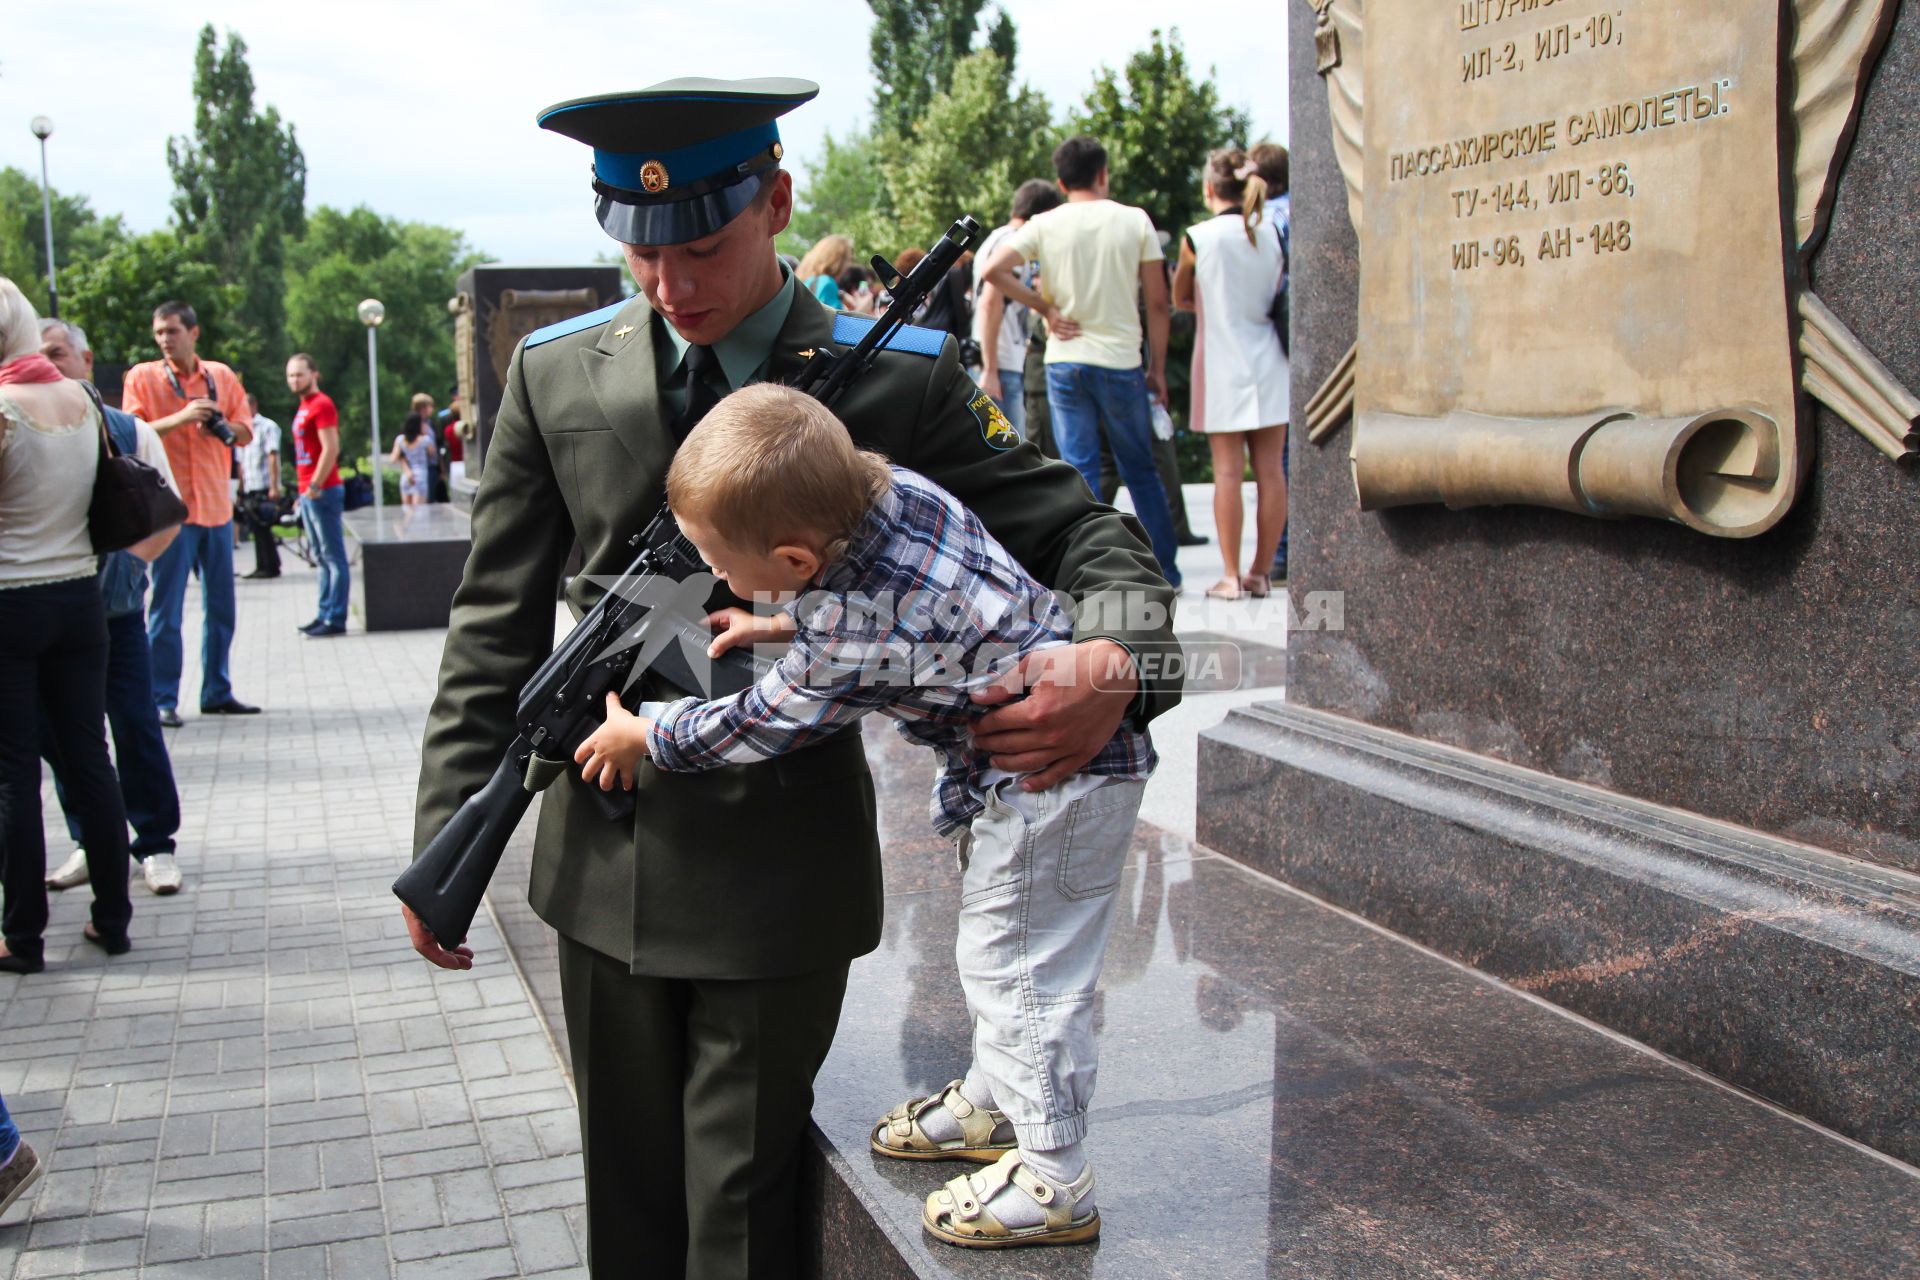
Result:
316,470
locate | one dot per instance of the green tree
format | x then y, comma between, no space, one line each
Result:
79,234
1158,123
348,255
914,47
977,142
847,193
240,184
112,296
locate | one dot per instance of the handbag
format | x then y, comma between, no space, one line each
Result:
1277,309
131,500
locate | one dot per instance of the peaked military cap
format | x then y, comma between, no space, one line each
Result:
682,159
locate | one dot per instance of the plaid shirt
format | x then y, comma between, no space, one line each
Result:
922,609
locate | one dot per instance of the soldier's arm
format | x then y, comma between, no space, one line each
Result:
1040,511
501,627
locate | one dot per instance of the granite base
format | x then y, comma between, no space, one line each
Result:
1786,969
411,559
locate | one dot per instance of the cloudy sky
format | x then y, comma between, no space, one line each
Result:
426,110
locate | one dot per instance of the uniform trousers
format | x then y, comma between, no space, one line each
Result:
694,1097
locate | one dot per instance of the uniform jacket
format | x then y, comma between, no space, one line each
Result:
750,870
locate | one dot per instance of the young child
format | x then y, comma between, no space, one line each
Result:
909,606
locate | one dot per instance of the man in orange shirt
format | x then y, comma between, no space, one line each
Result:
200,410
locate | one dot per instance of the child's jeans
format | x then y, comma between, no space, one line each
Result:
1037,901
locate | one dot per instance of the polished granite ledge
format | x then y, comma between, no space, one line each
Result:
1285,1091
1786,969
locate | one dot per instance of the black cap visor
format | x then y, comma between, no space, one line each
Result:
669,222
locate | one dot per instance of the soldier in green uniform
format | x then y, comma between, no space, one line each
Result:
704,946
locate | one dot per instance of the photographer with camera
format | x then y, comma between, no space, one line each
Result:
200,410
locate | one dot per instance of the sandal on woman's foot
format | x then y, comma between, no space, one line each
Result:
1257,585
11,963
1225,589
901,1135
112,944
962,1212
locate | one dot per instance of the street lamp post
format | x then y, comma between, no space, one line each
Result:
42,127
372,312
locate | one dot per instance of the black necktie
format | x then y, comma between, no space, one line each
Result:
700,393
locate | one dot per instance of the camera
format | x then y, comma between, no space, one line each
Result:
220,429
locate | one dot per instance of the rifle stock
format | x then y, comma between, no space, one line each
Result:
444,884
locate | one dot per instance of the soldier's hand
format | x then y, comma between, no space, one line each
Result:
739,627
1076,696
461,957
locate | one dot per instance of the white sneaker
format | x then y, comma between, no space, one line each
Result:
162,873
72,872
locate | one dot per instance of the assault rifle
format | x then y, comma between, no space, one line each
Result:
649,622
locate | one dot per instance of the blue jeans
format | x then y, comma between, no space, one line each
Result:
1013,398
139,748
207,551
9,1135
320,514
1085,399
1280,552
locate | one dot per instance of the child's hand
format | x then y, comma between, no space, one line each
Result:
738,627
614,749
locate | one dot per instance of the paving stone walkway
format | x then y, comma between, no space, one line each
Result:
272,1083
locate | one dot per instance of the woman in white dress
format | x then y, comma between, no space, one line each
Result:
1228,274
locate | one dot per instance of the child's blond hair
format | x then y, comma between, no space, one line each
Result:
769,466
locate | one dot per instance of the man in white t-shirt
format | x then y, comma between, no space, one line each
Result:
260,479
1000,326
1096,259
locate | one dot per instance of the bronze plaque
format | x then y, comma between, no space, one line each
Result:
1576,262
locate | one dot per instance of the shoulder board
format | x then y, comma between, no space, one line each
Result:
848,330
576,324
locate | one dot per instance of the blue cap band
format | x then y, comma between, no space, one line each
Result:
686,166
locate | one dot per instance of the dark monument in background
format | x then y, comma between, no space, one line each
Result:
1666,779
494,308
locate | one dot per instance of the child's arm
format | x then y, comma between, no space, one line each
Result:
823,683
614,749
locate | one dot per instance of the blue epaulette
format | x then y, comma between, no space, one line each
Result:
576,324
848,330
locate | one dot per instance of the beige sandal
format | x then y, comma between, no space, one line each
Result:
899,1133
958,1213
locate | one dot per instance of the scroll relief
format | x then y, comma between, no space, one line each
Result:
1583,242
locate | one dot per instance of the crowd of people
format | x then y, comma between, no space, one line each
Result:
92,645
1063,313
1063,320
189,418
